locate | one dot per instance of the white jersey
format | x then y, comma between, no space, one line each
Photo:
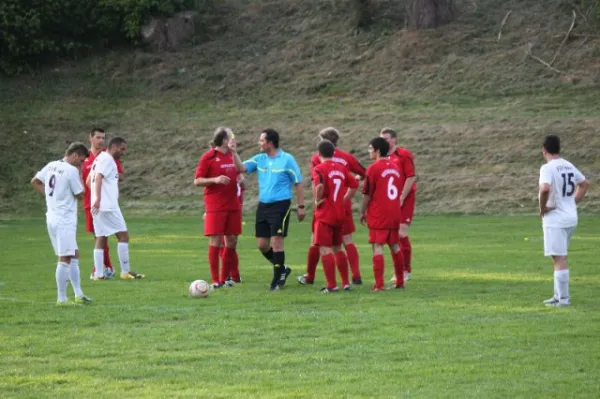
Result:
109,194
563,177
61,184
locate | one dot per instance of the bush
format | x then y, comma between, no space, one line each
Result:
33,32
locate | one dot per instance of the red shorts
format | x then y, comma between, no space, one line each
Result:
383,237
223,223
326,235
408,209
89,221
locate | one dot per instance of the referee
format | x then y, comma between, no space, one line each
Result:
278,172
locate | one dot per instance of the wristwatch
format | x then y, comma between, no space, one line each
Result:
300,206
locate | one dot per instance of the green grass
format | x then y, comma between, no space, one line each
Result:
470,323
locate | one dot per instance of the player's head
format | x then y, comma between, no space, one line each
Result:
326,149
389,135
331,134
97,137
221,137
551,145
269,140
117,147
76,153
378,148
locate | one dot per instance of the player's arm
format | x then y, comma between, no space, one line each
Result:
366,200
318,187
295,175
357,168
38,185
97,187
544,194
581,189
201,178
409,172
352,184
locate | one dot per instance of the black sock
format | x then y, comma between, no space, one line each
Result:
278,266
268,254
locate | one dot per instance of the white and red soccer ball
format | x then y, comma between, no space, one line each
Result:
199,289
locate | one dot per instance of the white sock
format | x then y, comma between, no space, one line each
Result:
75,277
562,279
555,287
62,280
98,262
123,251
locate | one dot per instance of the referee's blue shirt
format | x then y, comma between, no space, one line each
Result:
276,175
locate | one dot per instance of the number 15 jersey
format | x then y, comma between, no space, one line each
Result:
383,184
563,177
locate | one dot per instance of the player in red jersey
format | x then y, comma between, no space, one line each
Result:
334,186
97,138
350,163
404,159
216,172
381,210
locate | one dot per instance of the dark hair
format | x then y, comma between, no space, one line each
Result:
552,144
96,130
331,134
77,147
272,136
326,149
379,144
116,141
389,131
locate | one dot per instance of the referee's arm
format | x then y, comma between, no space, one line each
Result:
296,176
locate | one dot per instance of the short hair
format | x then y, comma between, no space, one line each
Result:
331,134
221,133
79,148
116,141
379,144
552,144
272,136
390,131
96,130
326,149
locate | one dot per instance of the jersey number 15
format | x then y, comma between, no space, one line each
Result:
568,187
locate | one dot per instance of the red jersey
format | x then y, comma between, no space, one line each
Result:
336,180
348,161
383,183
405,161
86,167
219,197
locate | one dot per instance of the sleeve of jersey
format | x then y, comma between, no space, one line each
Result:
75,182
202,168
409,167
366,190
294,171
356,167
251,164
545,175
41,175
102,166
351,181
314,161
317,178
579,177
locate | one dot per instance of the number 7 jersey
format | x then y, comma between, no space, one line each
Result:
563,177
383,184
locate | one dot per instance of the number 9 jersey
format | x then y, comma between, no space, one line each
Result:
62,183
563,177
383,184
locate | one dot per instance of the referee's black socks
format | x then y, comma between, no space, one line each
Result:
268,254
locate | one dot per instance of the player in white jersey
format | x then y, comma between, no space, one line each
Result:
60,182
562,187
108,219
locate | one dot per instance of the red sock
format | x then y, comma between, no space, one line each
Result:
213,261
312,262
234,265
399,268
378,268
222,252
353,260
227,264
107,261
407,252
329,270
342,264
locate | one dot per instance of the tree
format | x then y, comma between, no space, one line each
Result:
427,14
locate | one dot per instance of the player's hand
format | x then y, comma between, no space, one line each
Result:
204,216
222,180
232,145
318,203
545,210
95,207
301,214
363,219
240,179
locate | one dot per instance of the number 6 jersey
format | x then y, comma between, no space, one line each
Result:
563,177
62,183
384,183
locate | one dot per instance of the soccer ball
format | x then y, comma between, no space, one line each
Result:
199,289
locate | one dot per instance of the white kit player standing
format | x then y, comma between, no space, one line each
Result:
60,182
562,187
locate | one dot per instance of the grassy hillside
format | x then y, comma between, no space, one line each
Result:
473,108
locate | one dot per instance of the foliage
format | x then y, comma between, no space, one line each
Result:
34,32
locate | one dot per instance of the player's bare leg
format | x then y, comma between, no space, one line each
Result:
353,259
378,267
328,261
312,262
561,283
341,262
123,251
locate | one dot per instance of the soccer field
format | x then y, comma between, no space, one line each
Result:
471,323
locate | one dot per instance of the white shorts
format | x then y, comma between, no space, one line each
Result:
556,240
63,238
107,223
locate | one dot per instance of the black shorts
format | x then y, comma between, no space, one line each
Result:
273,219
